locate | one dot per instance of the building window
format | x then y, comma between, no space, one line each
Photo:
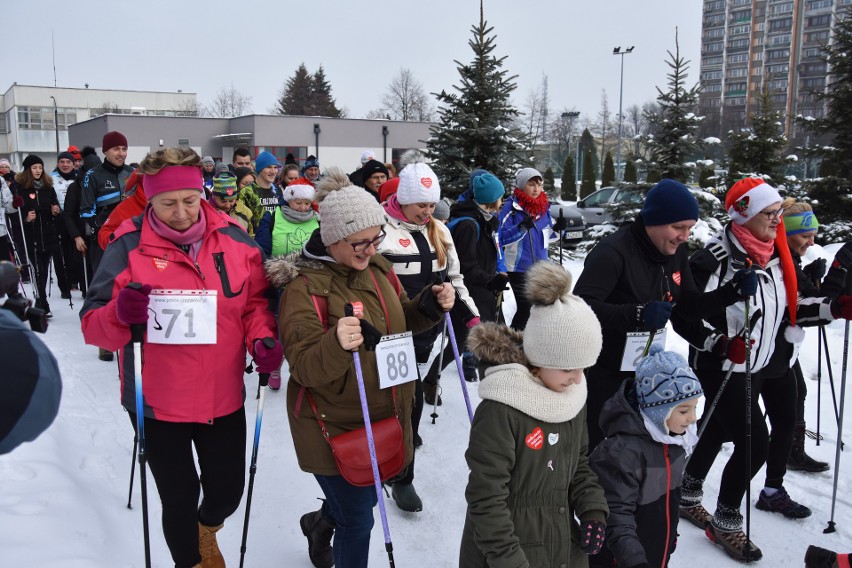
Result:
713,21
737,72
42,118
815,37
757,56
781,25
818,4
819,21
757,72
735,101
710,61
183,142
715,88
779,99
782,68
783,39
813,52
813,83
814,68
738,58
741,2
711,103
738,44
784,8
709,75
741,16
778,85
739,30
714,33
776,54
714,6
714,47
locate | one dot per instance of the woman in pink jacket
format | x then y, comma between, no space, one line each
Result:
203,297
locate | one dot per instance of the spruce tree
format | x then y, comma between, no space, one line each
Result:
297,94
833,190
608,173
474,127
587,143
322,103
549,182
758,150
630,171
569,183
587,187
674,143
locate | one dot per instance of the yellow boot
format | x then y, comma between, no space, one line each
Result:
209,548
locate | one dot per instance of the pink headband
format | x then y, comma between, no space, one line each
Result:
172,178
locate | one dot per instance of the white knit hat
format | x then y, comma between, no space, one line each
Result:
298,190
344,208
563,331
418,184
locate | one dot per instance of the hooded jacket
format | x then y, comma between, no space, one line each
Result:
184,383
642,480
319,363
476,247
529,476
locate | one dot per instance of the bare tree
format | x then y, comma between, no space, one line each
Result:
563,128
378,114
189,107
533,118
106,108
406,100
229,102
603,128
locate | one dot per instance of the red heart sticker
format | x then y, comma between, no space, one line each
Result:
676,278
160,263
32,196
535,439
405,242
427,182
357,309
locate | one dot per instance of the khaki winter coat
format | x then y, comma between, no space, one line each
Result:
318,362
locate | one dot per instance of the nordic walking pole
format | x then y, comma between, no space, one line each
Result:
830,376
820,331
561,216
30,268
262,382
747,337
132,471
371,444
137,332
839,444
438,379
452,334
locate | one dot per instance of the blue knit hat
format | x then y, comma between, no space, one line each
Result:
264,160
669,202
310,162
664,381
487,188
475,174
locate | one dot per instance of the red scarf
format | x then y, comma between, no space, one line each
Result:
536,207
192,236
759,251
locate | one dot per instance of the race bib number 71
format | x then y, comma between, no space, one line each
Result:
182,317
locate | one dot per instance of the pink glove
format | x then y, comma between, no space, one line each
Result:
268,359
131,306
472,322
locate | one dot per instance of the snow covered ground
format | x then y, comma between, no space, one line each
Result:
63,501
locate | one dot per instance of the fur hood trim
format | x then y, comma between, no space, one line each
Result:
497,344
281,270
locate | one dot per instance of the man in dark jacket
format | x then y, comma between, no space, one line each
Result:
103,188
635,280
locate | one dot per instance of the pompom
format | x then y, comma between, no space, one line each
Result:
546,283
794,334
412,156
333,180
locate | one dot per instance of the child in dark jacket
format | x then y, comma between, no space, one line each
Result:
529,473
650,430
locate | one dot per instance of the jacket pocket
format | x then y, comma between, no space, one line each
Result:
219,263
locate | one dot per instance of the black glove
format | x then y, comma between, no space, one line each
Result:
428,304
592,535
372,336
745,282
560,225
498,283
528,223
655,315
815,271
843,258
643,565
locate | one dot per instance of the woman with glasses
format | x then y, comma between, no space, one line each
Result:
525,232
338,265
422,252
755,235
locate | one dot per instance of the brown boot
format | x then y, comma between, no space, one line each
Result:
209,548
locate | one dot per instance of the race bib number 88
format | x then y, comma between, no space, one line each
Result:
395,360
182,317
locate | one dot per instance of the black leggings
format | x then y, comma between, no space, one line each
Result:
221,449
516,280
728,423
801,392
779,397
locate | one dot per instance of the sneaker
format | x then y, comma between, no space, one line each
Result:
105,354
781,502
318,530
406,497
275,380
697,515
734,543
430,390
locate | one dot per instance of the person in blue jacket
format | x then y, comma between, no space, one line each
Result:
525,232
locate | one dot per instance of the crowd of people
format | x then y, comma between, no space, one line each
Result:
585,448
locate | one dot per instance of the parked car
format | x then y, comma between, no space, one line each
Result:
592,207
576,226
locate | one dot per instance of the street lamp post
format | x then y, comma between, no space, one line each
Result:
385,132
618,51
56,122
317,131
574,114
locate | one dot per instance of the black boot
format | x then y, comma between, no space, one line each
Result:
430,391
406,497
817,557
318,531
798,459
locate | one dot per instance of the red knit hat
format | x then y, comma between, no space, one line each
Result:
747,198
388,188
113,139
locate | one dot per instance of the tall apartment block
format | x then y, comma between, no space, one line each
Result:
749,45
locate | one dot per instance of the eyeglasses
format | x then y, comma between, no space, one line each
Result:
772,215
361,246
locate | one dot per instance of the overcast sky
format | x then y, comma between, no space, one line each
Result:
203,46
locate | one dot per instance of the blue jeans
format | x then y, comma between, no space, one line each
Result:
350,508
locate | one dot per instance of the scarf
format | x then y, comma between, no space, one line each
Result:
514,385
188,240
394,209
535,207
759,251
297,216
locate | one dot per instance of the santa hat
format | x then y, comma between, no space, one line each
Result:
747,198
301,188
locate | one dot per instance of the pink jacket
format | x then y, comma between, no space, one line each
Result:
184,383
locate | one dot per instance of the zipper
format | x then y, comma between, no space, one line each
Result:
668,504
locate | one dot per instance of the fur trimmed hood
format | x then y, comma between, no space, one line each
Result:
281,270
496,344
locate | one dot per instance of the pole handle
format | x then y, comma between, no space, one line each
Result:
137,330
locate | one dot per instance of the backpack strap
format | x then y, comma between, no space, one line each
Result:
454,223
